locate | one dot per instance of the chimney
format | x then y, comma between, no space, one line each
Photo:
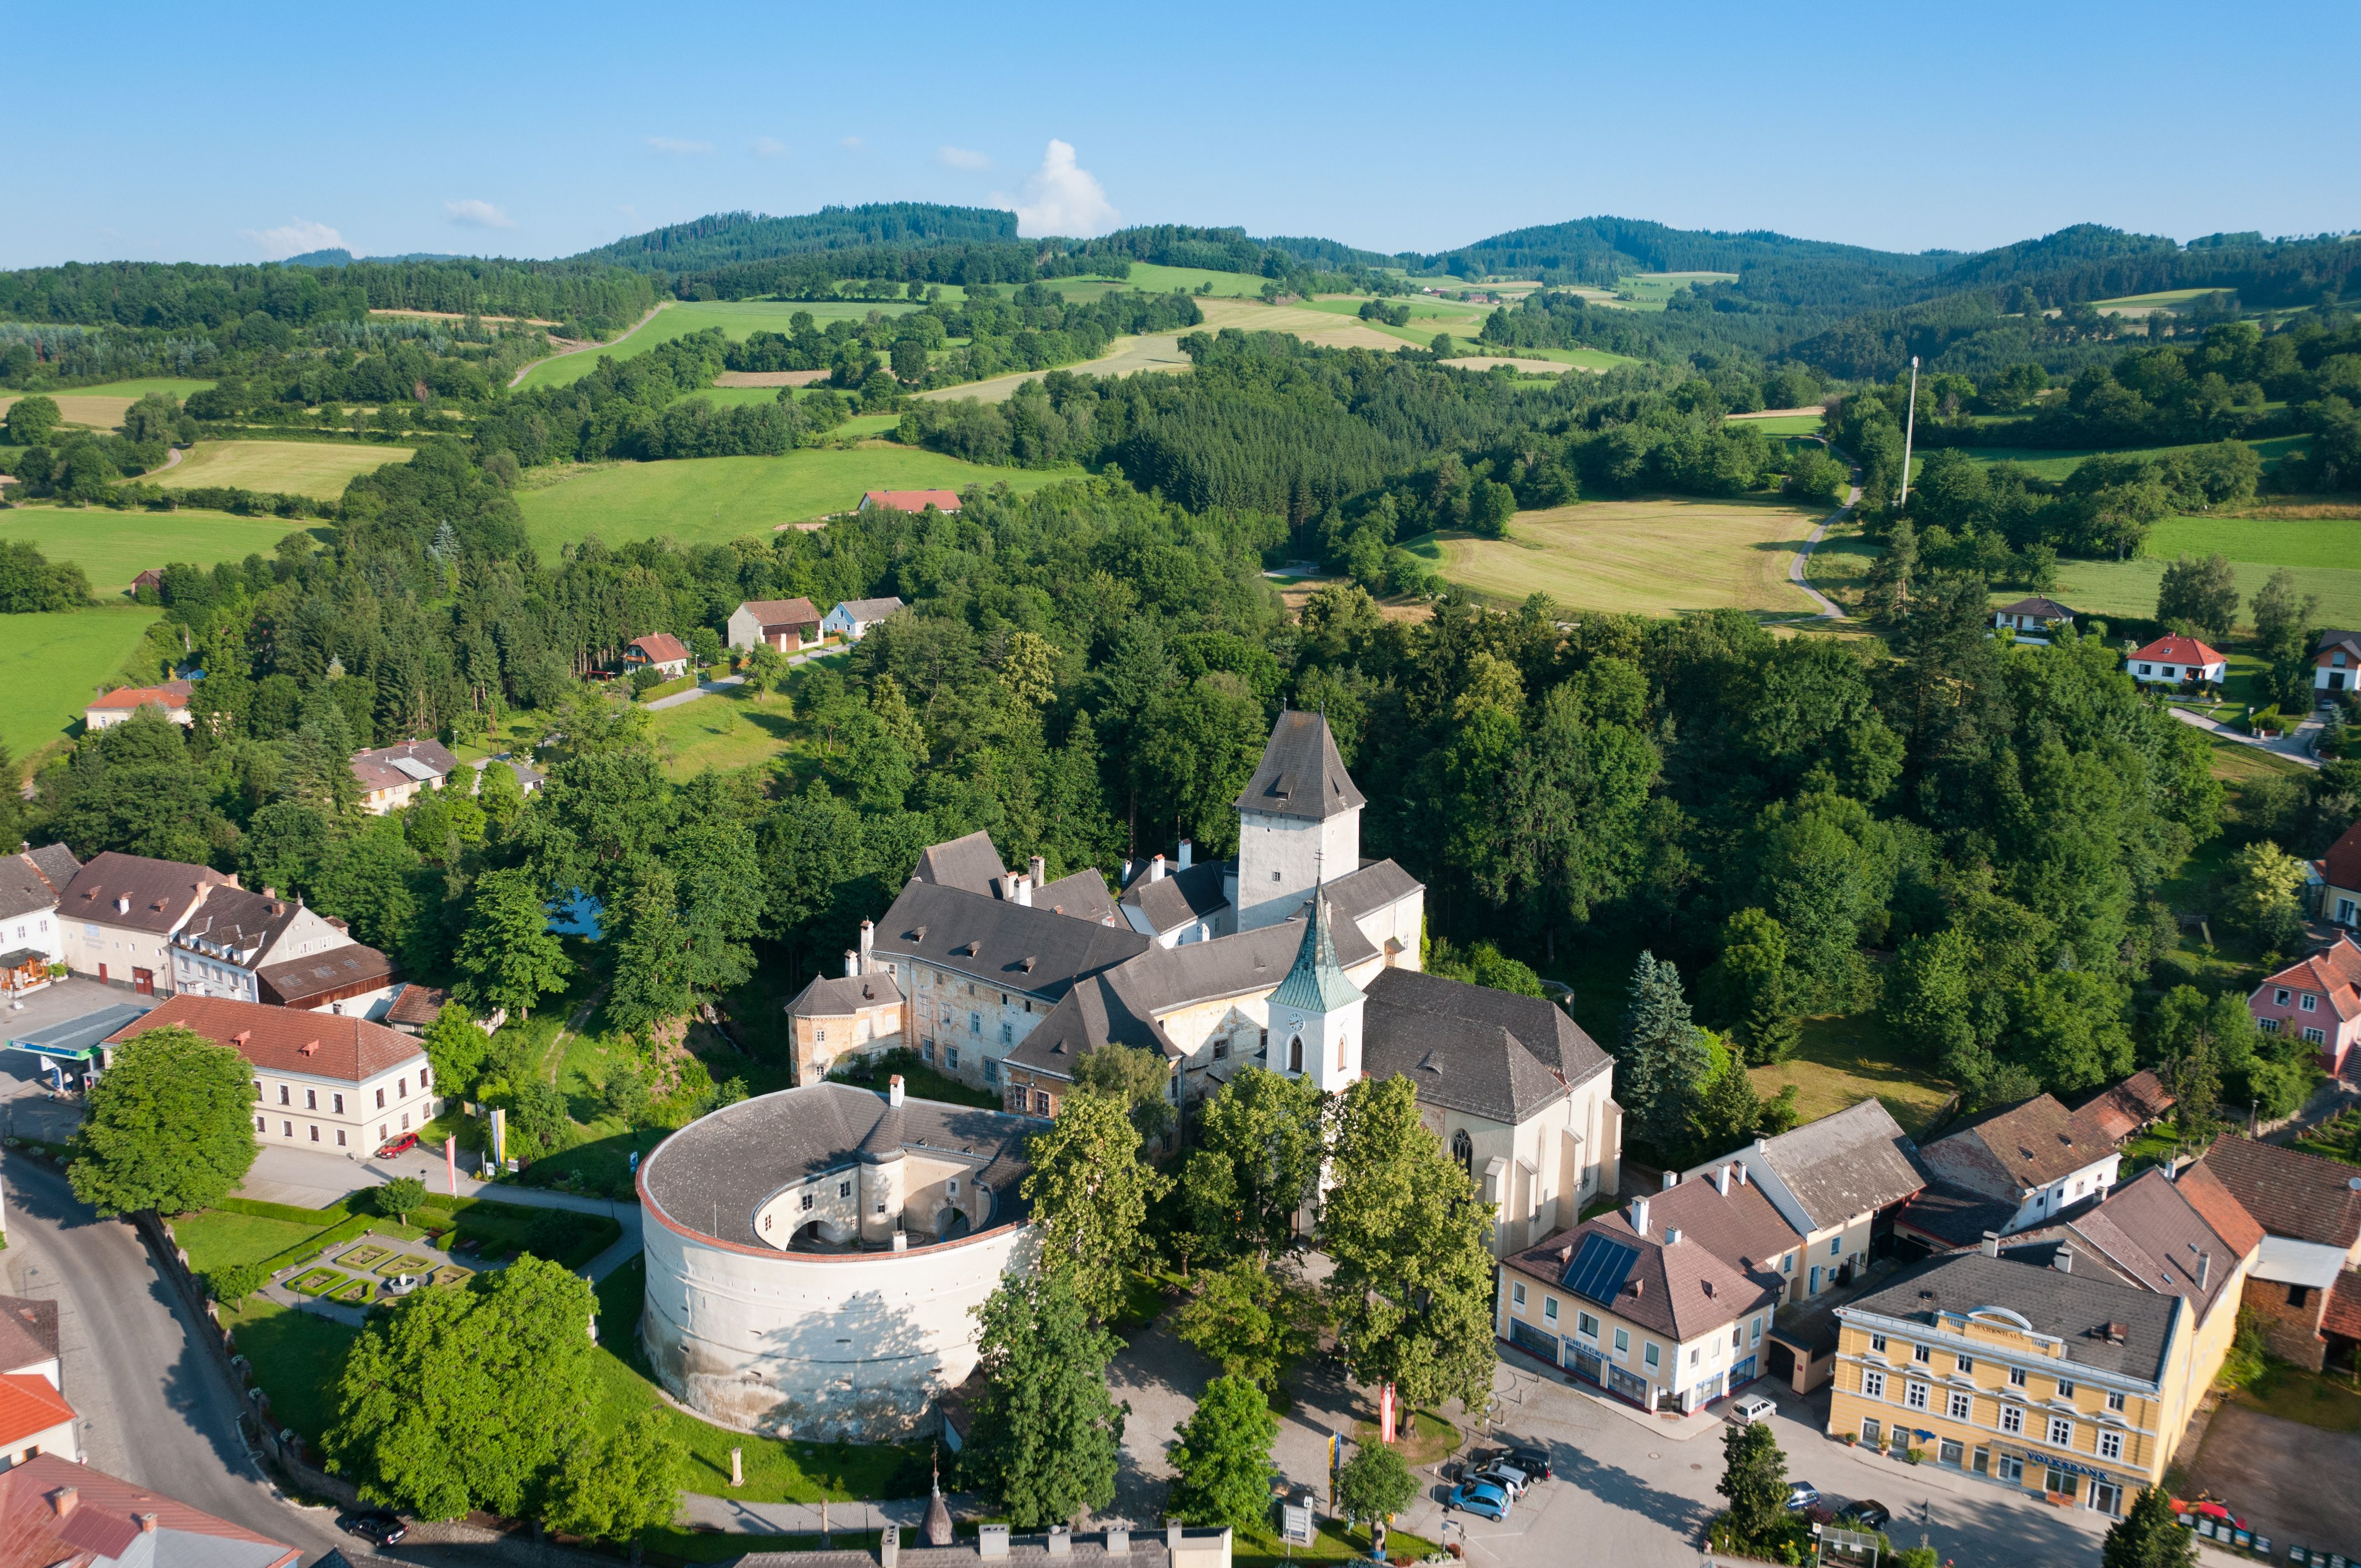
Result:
64,1498
122,904
1740,1168
1640,1215
1990,1246
851,964
2205,1268
893,1090
1127,871
1038,870
1672,1180
1761,1145
1156,869
146,1524
1024,889
1721,1180
867,943
1188,853
270,893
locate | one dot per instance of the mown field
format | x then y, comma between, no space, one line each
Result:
737,319
2049,464
1125,357
101,407
52,665
1780,424
113,547
1649,557
320,469
704,500
2128,587
722,730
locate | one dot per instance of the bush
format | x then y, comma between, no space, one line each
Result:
234,1282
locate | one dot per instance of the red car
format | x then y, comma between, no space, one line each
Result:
402,1144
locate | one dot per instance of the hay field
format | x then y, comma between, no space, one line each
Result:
1125,357
738,319
52,665
710,500
113,547
1149,278
1660,556
1313,325
1780,424
2141,305
318,468
2047,463
101,407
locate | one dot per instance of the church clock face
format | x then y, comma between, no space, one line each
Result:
1295,1020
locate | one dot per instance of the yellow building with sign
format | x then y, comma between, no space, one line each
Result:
2073,1384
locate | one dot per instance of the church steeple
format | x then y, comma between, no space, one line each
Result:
1315,1013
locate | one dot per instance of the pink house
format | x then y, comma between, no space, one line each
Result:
2318,1000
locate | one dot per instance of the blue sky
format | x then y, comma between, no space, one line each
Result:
255,130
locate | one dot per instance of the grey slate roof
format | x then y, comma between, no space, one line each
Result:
1372,886
1852,1162
241,920
1179,899
1314,983
717,1170
2073,1307
842,995
1301,774
2290,1193
970,863
1014,947
297,982
35,880
1955,1214
867,610
1077,895
2149,1235
1468,1048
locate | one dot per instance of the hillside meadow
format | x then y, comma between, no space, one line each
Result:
52,664
113,547
319,468
738,319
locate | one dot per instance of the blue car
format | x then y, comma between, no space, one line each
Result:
1482,1499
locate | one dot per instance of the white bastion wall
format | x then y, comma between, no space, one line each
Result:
818,1345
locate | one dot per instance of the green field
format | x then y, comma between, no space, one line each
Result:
2047,463
1781,424
2128,587
1150,278
1581,358
113,547
2328,543
1840,1061
707,501
2164,299
52,665
318,468
723,731
137,387
738,319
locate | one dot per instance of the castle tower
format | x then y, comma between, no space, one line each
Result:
1299,821
1315,1014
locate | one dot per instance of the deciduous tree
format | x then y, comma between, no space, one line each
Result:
1754,1479
1046,1432
1375,1484
1250,1321
616,1484
1089,1191
2148,1536
1259,1145
1223,1458
169,1126
508,958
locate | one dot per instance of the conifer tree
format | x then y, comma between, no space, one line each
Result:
1663,1065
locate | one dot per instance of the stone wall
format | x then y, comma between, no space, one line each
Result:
2292,1332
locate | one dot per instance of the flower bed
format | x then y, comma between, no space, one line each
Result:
318,1282
357,1291
449,1274
408,1262
366,1255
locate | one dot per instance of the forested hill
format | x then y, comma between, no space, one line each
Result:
721,238
186,295
1599,251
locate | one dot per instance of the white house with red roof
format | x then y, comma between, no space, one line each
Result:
658,651
2178,661
909,501
171,699
2317,1000
34,1419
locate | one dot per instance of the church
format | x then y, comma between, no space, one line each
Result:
1298,956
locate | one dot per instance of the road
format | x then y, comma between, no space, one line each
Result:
1830,609
518,379
724,683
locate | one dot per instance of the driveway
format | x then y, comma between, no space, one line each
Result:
2268,1469
2295,744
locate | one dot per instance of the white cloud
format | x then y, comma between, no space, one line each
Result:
299,236
474,215
769,147
962,157
852,144
1061,198
676,147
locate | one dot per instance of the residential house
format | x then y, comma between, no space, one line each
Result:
853,619
171,698
1837,1181
225,944
55,1513
119,915
413,1007
2317,999
909,501
2037,1159
35,1419
2063,1379
660,651
2335,659
528,777
28,1339
2176,661
352,979
784,624
2032,619
2305,1282
321,1082
391,777
832,1021
1639,1307
32,938
2123,1110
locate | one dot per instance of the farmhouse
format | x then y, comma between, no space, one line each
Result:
853,618
321,1082
2035,1160
391,777
2031,619
32,937
2318,1000
660,651
2335,659
814,1257
784,624
909,501
152,577
171,699
119,915
2176,661
2305,1281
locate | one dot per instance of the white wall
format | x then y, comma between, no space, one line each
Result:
1279,858
40,929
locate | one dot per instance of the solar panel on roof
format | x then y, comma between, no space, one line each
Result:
1600,1268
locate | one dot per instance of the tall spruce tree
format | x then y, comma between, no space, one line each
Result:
1663,1065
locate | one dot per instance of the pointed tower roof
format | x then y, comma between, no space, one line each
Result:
1300,774
1316,983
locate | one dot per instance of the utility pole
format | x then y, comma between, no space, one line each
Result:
1909,429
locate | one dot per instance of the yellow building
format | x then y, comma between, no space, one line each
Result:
2064,1381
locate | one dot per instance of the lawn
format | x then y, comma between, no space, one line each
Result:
1779,425
113,547
710,500
321,468
2162,300
2315,1398
1843,1060
297,1357
722,731
52,665
2128,587
214,1240
1660,556
738,319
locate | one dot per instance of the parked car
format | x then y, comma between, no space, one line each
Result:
1752,1408
1508,1477
1867,1515
1534,1462
1802,1495
1482,1499
402,1144
373,1525
403,1284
